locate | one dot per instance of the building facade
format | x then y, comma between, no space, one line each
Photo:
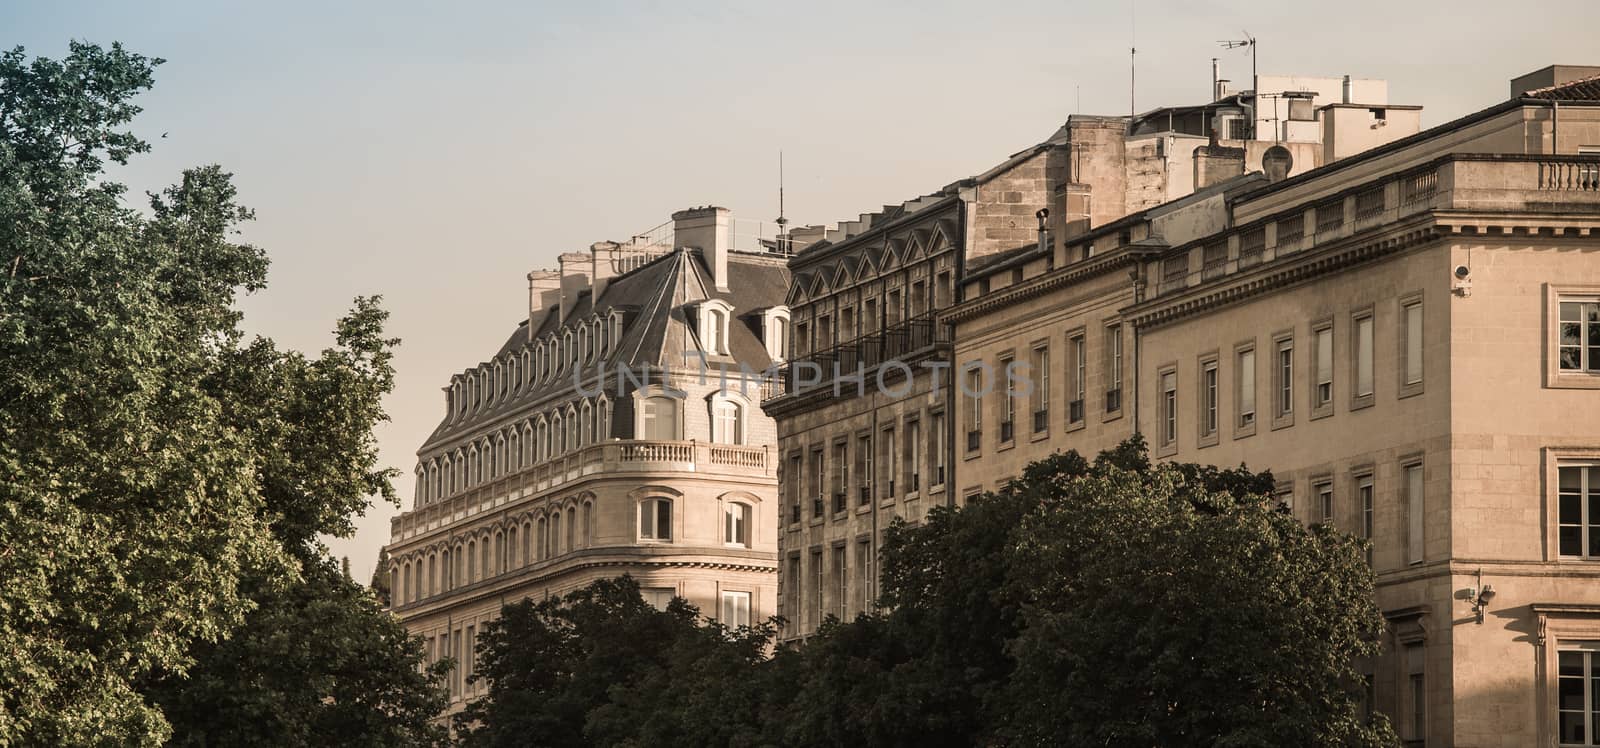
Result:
1409,339
617,431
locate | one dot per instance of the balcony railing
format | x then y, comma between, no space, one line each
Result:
1113,399
1075,411
938,475
1006,431
838,502
866,495
794,513
816,506
1041,421
915,481
894,343
974,440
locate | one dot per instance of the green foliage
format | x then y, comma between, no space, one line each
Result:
160,478
1111,602
601,666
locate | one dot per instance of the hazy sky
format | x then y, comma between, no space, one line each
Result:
434,153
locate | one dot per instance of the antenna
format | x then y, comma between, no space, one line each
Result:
1133,53
781,219
1255,83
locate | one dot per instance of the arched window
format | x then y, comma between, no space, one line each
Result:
602,421
527,540
572,528
494,459
394,586
542,441
527,444
555,533
446,574
449,477
736,523
586,430
583,344
401,591
514,446
658,418
559,434
588,524
572,428
433,480
714,317
655,520
483,558
472,561
543,540
727,422
430,580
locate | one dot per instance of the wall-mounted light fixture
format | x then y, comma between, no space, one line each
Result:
1480,595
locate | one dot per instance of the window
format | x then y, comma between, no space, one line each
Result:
1114,368
1247,388
1414,508
864,574
938,436
1208,398
864,468
1169,408
847,324
1325,502
1324,363
824,332
818,482
841,476
1579,350
1578,500
791,595
1040,370
658,597
655,520
974,393
913,455
816,588
1413,343
840,599
658,418
1578,689
1414,722
1363,346
1008,404
736,524
726,422
1285,377
1080,372
892,308
1364,495
735,609
887,461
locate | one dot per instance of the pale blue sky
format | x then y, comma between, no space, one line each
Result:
434,153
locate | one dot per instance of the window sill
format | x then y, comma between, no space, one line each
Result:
1167,450
1362,402
1283,421
815,522
1077,426
1003,446
1409,390
1244,432
972,455
913,496
1573,381
1207,440
1321,411
936,489
1039,436
1111,415
863,508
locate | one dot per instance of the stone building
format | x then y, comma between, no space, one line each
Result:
1409,339
616,431
864,426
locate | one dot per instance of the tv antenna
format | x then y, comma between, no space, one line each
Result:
1247,41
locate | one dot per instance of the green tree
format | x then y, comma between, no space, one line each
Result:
160,478
380,576
601,666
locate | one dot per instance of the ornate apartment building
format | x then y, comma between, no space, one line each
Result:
616,431
1408,338
866,424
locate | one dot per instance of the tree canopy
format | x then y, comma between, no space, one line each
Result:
162,479
1104,602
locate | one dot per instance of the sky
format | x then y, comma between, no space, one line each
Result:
435,153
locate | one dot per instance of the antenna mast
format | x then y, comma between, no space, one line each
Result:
1133,53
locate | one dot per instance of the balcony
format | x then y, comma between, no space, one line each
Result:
1006,431
619,458
974,440
839,502
1075,411
1113,399
816,507
866,495
898,342
1041,420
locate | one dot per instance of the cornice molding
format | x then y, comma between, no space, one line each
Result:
1040,285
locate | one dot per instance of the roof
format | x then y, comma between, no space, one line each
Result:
656,331
1582,89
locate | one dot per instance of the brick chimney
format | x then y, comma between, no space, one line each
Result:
575,270
544,291
709,230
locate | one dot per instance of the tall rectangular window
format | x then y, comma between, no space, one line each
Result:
795,480
819,482
841,476
1413,347
1080,376
1169,408
1008,399
1579,335
974,395
888,462
1325,501
1285,377
1415,723
864,469
792,613
1578,510
1578,694
840,598
1363,346
1113,368
1324,352
735,609
938,438
913,456
1364,495
1247,388
1208,394
1040,396
864,575
1415,506
816,589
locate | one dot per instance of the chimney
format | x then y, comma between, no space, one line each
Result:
544,290
1346,90
1215,163
802,237
607,264
575,267
709,230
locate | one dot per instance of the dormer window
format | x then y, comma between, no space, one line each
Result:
775,332
714,317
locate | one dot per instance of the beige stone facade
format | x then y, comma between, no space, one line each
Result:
1402,338
616,432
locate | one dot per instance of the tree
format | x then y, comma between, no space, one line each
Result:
380,577
160,478
603,667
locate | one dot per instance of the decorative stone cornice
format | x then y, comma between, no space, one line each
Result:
1040,285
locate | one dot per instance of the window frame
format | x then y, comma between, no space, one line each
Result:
732,524
1167,410
736,595
1323,384
639,521
1115,361
1363,356
1555,376
1555,458
1208,400
1414,505
1283,390
1403,350
1241,427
